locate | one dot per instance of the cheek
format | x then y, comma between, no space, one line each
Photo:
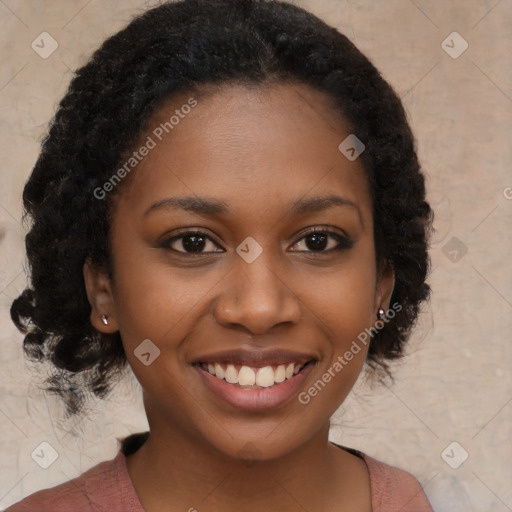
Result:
158,304
151,298
344,312
344,299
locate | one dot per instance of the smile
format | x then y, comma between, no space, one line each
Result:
249,377
253,388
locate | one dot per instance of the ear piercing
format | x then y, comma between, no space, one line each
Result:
104,319
380,314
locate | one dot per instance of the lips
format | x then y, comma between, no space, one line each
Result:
255,380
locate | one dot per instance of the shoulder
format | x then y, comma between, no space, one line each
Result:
394,489
92,490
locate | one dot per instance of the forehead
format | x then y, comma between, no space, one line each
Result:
249,146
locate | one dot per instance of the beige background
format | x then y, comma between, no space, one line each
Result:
456,383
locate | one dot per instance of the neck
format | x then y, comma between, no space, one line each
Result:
174,471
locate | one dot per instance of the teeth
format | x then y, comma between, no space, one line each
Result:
280,374
265,377
219,371
231,375
246,376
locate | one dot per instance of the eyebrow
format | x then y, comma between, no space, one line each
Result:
206,205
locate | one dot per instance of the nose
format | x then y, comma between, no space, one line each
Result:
257,297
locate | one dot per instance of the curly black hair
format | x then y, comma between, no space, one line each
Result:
180,47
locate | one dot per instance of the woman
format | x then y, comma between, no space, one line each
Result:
228,200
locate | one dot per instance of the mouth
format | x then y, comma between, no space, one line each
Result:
255,381
250,377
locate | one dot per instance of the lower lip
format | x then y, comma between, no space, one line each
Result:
255,399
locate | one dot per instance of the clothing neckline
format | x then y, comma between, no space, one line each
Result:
133,442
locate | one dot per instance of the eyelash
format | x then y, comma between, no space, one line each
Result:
344,242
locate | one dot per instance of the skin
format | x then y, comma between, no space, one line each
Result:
258,150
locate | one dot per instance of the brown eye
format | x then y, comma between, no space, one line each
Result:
318,241
191,242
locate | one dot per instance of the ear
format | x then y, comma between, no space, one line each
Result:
98,287
384,287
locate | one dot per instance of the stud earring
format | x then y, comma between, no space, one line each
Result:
380,314
104,319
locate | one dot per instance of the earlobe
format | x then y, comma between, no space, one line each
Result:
385,287
99,293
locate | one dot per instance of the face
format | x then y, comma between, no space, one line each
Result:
253,270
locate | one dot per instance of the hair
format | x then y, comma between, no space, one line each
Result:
180,47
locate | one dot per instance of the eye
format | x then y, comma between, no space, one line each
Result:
317,240
190,242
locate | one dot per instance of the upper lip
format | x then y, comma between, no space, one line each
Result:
255,358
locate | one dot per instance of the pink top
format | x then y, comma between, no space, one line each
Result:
108,487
